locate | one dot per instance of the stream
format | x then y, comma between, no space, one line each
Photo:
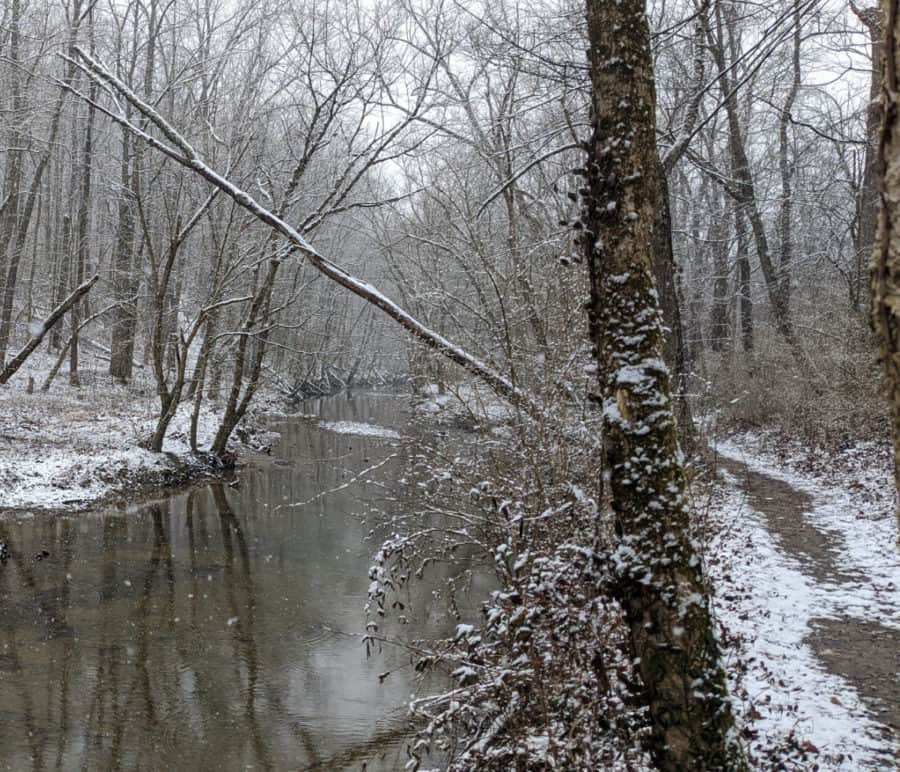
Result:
219,627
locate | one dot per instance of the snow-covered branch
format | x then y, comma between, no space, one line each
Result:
180,150
19,359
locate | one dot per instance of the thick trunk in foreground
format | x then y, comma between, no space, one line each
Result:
658,578
886,255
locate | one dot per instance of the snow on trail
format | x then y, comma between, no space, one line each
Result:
868,545
771,597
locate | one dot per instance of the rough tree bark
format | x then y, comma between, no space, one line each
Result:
15,238
12,178
665,268
124,318
885,273
83,231
126,273
787,168
717,237
665,272
19,359
743,280
657,574
867,200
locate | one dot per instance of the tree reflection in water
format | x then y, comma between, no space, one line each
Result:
202,631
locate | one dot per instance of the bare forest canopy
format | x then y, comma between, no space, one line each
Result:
432,150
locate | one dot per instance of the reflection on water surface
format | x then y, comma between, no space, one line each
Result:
217,629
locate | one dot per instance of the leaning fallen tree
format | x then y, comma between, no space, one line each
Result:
180,150
58,313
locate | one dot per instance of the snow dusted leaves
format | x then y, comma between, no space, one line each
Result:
542,681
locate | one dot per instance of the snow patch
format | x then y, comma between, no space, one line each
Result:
360,429
765,598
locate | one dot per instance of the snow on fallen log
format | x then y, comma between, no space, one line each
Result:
179,150
19,359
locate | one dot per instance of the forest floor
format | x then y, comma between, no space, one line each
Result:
803,556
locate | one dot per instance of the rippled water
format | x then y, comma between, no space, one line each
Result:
218,628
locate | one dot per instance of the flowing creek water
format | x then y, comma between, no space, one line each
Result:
218,628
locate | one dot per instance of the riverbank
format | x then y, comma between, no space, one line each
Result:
74,447
251,594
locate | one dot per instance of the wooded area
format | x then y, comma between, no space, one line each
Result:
428,135
635,224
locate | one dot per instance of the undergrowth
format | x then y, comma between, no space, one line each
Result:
542,681
832,399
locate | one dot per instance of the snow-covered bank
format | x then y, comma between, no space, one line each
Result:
360,429
770,600
72,447
468,403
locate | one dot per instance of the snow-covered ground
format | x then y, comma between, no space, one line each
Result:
68,447
769,599
360,429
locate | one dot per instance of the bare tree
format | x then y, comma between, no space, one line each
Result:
867,200
177,148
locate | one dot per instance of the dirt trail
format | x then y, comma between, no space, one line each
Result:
864,652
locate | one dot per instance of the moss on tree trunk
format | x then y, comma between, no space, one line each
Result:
657,573
885,270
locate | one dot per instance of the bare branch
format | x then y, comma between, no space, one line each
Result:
19,359
190,159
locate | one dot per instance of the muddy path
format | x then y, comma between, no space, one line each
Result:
862,651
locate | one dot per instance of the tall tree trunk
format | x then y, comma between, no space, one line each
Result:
83,231
867,200
121,348
10,268
665,272
885,276
658,579
718,240
743,282
257,316
126,276
744,188
61,272
12,182
786,168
